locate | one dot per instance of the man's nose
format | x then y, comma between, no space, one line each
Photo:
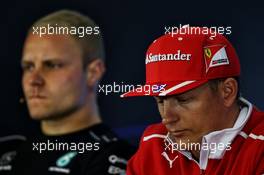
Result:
36,78
170,115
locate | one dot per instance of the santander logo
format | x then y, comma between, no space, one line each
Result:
178,56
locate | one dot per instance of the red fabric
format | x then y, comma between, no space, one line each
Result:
246,156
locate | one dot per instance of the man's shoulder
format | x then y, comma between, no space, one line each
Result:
117,146
256,123
96,151
155,129
11,142
111,157
9,146
106,137
154,132
253,133
258,113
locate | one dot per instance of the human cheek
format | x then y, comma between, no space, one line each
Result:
24,82
161,110
192,116
72,82
57,82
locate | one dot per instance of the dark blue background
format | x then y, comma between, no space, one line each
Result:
128,29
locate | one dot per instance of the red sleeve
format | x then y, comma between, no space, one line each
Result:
260,167
132,166
136,165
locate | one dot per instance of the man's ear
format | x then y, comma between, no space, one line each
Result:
229,90
94,72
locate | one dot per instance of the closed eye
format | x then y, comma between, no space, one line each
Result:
52,64
184,99
159,100
27,66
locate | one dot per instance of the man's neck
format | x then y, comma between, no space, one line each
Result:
83,118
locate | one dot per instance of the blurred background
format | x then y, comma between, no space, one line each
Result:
128,28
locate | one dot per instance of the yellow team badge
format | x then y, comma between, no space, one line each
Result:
208,52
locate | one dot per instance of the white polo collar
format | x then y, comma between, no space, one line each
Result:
225,136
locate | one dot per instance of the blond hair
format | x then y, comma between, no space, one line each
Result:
91,45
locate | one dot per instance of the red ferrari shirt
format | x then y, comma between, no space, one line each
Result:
242,150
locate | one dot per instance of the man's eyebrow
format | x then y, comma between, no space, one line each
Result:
44,60
54,61
25,61
51,60
186,94
160,97
25,58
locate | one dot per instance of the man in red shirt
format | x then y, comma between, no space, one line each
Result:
206,128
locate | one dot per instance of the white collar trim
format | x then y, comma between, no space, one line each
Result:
225,136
